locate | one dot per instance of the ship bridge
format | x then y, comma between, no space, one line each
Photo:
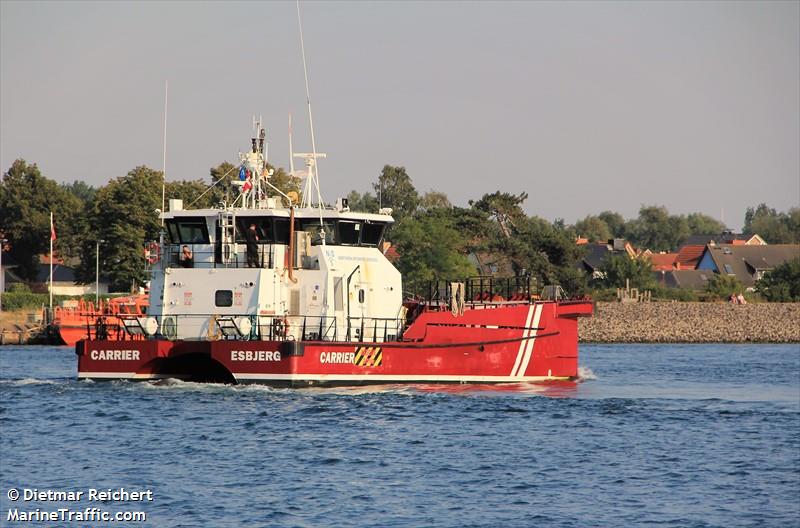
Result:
275,273
218,238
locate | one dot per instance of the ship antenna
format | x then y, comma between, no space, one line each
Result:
291,150
164,162
315,176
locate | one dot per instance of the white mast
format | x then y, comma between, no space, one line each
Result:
312,180
255,162
291,150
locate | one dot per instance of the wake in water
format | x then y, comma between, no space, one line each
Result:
27,381
586,374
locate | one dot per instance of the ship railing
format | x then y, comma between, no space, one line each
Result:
247,327
482,290
126,328
223,256
369,329
293,328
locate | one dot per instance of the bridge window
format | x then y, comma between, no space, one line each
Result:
281,231
188,231
172,232
349,233
223,298
264,228
372,234
318,231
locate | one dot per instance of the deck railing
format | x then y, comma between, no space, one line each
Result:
218,257
484,290
247,327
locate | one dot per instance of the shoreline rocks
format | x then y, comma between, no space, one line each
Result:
691,322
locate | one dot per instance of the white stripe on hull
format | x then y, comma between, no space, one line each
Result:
525,333
529,348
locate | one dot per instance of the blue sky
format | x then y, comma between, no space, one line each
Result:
586,106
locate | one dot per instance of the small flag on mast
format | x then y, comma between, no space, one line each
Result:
52,228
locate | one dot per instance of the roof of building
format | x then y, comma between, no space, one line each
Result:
596,252
724,238
663,261
689,256
390,252
690,279
744,261
61,273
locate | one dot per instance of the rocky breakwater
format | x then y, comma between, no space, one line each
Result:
692,322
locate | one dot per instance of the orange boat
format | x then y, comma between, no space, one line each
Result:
72,323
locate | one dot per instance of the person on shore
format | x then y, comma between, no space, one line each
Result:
187,258
251,237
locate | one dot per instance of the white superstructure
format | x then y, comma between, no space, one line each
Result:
313,273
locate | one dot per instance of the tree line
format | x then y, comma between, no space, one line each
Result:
434,238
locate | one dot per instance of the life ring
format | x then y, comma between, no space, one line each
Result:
152,252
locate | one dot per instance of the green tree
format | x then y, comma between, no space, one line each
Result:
594,228
191,192
433,200
26,200
655,229
700,224
782,284
722,286
430,248
396,191
284,181
772,226
532,245
620,270
365,203
504,208
221,177
123,214
615,223
81,190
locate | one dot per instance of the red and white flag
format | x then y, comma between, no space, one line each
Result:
247,186
52,229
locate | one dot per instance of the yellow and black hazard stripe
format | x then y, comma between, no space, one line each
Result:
368,357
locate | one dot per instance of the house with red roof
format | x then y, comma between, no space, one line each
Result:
689,256
663,261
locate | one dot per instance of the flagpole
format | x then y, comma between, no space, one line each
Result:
51,263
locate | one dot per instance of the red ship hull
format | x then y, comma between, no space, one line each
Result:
491,344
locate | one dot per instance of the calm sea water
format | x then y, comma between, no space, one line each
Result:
670,435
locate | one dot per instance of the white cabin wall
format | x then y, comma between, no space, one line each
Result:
380,280
190,294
